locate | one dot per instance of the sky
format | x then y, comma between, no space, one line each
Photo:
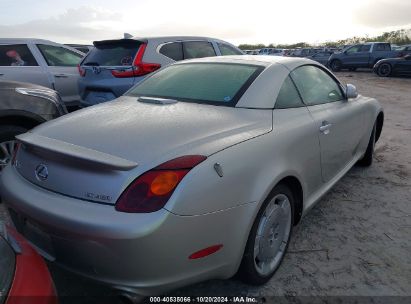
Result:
276,21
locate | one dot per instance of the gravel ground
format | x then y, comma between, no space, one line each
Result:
355,242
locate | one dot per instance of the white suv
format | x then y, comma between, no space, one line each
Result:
41,62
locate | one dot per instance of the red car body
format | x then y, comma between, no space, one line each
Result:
32,283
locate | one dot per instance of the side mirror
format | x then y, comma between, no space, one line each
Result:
351,91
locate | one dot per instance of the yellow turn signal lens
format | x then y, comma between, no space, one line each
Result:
164,183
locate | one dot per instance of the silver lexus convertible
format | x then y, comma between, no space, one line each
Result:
198,172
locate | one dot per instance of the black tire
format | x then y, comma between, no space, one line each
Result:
352,69
366,160
336,65
8,133
384,70
248,272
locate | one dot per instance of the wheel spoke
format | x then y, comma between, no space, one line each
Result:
272,234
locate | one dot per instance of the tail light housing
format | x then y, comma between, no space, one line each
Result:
81,71
150,191
139,67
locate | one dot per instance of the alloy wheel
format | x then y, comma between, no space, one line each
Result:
272,235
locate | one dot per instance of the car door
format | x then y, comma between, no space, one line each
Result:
297,132
339,122
357,56
62,65
403,67
17,63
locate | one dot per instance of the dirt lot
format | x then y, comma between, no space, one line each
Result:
355,242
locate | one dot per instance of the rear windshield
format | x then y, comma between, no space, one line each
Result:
211,83
113,53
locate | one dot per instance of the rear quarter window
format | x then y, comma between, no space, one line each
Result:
16,55
226,49
173,50
288,96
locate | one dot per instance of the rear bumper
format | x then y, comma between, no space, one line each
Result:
144,253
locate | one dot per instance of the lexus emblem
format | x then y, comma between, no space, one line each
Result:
42,173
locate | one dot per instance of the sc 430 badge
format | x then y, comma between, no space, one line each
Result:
98,197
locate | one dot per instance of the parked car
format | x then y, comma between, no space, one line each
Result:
201,147
404,50
278,52
22,107
84,48
41,62
288,52
114,66
321,57
393,66
363,55
24,276
303,52
265,51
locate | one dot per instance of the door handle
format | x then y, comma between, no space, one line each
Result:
61,75
325,127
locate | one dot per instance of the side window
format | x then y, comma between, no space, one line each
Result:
59,56
288,96
354,49
380,47
198,49
173,50
16,55
316,86
226,49
366,48
387,47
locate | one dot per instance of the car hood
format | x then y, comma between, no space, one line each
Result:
119,140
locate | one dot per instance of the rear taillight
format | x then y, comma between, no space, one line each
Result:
151,190
81,71
139,67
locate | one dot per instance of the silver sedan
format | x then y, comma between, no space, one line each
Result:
199,172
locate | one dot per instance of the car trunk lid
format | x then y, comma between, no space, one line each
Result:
95,153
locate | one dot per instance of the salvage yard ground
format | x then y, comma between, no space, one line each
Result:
355,242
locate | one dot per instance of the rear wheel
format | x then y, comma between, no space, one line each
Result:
7,138
269,237
336,65
384,70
